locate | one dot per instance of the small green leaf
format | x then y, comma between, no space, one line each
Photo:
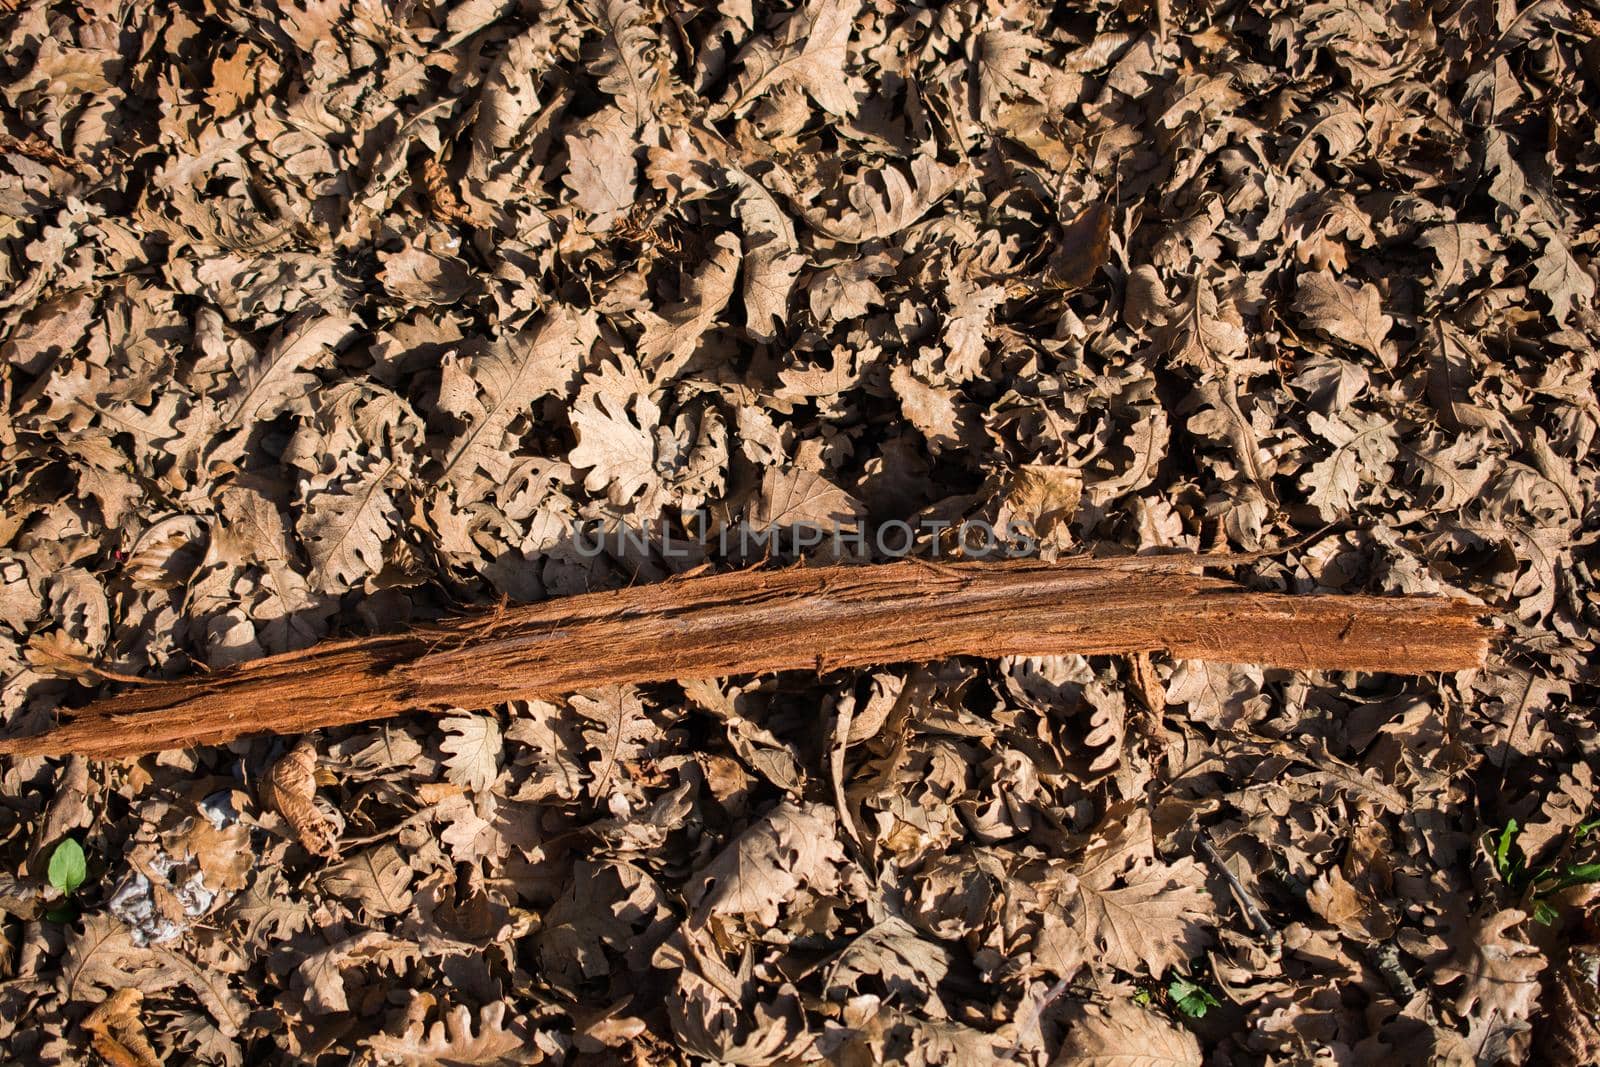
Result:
1502,853
68,868
1544,914
1577,874
1189,998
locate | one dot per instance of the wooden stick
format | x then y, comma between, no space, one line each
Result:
752,622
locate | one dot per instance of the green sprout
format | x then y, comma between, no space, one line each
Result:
1538,884
1184,995
1190,997
67,871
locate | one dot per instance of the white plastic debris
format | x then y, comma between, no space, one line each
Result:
136,903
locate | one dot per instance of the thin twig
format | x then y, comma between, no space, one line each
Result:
1241,895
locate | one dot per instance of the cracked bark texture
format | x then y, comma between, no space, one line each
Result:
752,622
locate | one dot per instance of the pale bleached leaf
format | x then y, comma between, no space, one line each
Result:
602,173
616,440
472,745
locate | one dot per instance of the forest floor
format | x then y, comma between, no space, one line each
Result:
330,317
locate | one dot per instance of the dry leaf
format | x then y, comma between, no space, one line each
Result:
378,879
290,789
1570,1030
345,526
1352,315
671,338
278,378
101,958
489,389
1498,975
602,174
933,411
794,497
459,1040
1044,499
1125,1035
763,868
620,724
474,750
118,1032
340,318
1133,911
813,50
885,202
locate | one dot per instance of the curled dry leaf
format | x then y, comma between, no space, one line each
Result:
1085,246
1569,1031
323,971
290,789
1043,500
117,1031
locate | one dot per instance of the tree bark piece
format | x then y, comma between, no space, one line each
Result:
752,622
